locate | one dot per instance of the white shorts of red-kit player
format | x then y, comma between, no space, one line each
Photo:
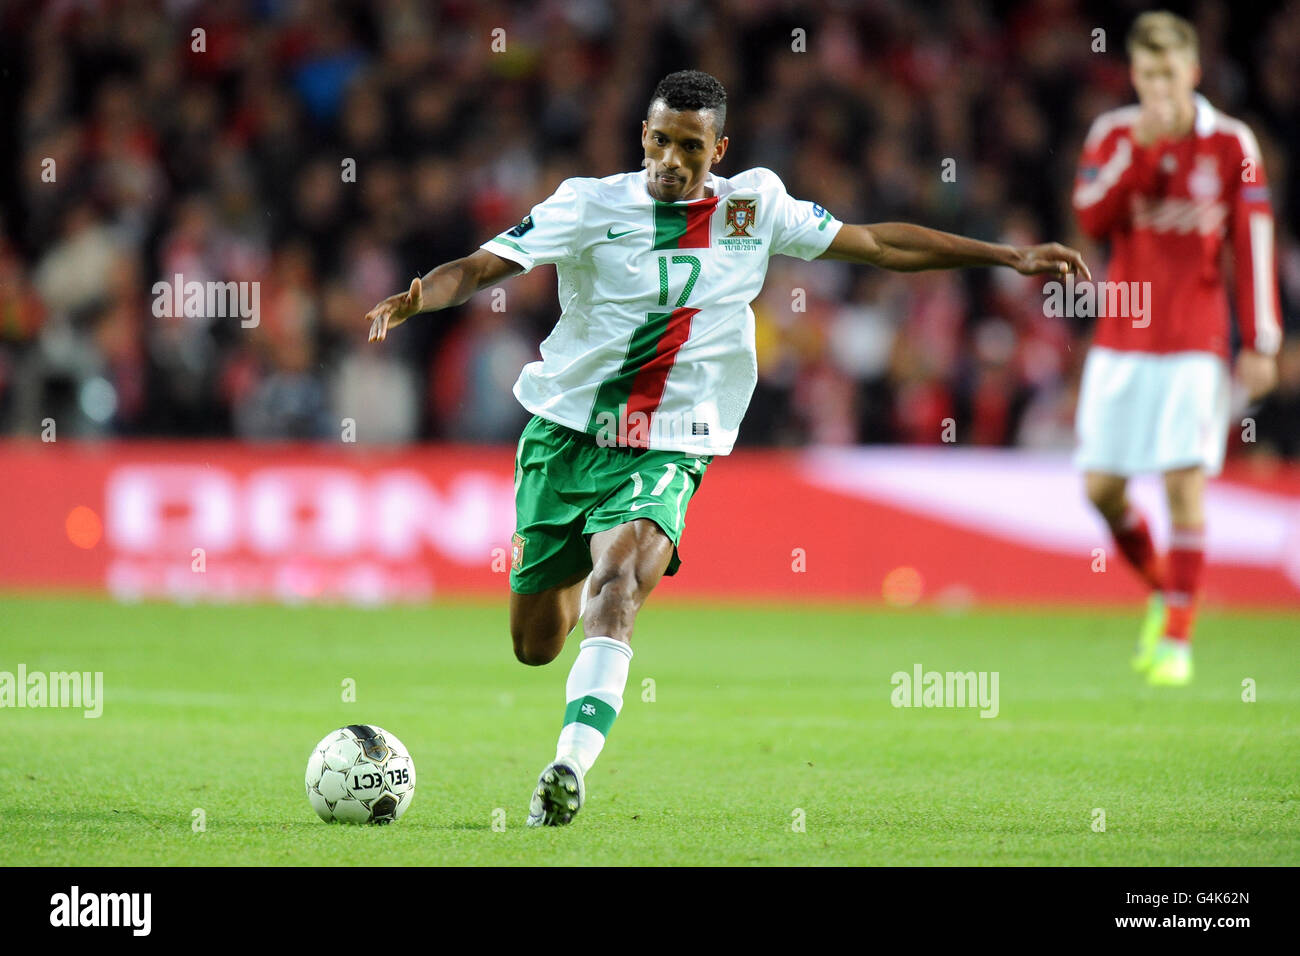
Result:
1143,412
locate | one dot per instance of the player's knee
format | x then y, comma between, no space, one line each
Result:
1183,490
534,655
1106,496
532,658
534,649
1178,501
1184,507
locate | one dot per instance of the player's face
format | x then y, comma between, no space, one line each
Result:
1166,78
680,147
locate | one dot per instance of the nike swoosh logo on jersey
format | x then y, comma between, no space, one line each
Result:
611,234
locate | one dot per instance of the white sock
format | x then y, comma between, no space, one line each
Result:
594,692
582,603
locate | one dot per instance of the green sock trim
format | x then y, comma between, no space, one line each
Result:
591,711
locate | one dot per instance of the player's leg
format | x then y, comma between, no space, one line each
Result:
549,559
1132,536
1122,427
634,533
1108,494
1128,526
540,622
627,562
1185,491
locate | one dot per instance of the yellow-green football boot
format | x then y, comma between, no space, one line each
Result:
1153,626
1172,666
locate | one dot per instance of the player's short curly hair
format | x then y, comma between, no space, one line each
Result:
693,90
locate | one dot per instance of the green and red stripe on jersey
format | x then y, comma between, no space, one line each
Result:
679,226
639,384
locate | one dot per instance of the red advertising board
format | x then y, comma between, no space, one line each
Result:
223,521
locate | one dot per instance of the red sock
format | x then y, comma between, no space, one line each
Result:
1183,587
1133,538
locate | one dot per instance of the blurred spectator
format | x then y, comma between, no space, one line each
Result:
72,275
1278,418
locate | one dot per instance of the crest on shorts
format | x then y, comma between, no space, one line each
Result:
517,551
741,214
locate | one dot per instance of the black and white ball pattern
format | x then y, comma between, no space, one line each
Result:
360,774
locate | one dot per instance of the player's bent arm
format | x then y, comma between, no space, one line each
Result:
450,284
903,247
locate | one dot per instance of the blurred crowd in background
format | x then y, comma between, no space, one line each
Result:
227,164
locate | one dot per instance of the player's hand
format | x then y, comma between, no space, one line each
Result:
1050,257
1156,121
395,310
1257,372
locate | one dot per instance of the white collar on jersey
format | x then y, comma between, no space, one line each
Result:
1204,115
710,184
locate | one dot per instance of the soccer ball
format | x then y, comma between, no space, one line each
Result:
360,774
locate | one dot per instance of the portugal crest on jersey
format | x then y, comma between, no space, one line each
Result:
740,216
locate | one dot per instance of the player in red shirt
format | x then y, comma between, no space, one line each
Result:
1169,182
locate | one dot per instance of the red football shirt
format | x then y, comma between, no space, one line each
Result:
1168,209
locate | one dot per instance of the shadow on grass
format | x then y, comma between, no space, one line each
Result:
421,825
48,819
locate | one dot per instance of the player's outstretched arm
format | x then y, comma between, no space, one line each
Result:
903,247
451,283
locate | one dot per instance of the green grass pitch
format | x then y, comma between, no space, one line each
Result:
762,715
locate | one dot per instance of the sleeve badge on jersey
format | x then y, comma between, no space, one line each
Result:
741,214
524,225
517,551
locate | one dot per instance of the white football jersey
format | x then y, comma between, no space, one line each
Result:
654,346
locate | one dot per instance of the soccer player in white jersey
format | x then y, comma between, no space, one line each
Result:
645,378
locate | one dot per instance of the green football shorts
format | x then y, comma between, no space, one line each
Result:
567,487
